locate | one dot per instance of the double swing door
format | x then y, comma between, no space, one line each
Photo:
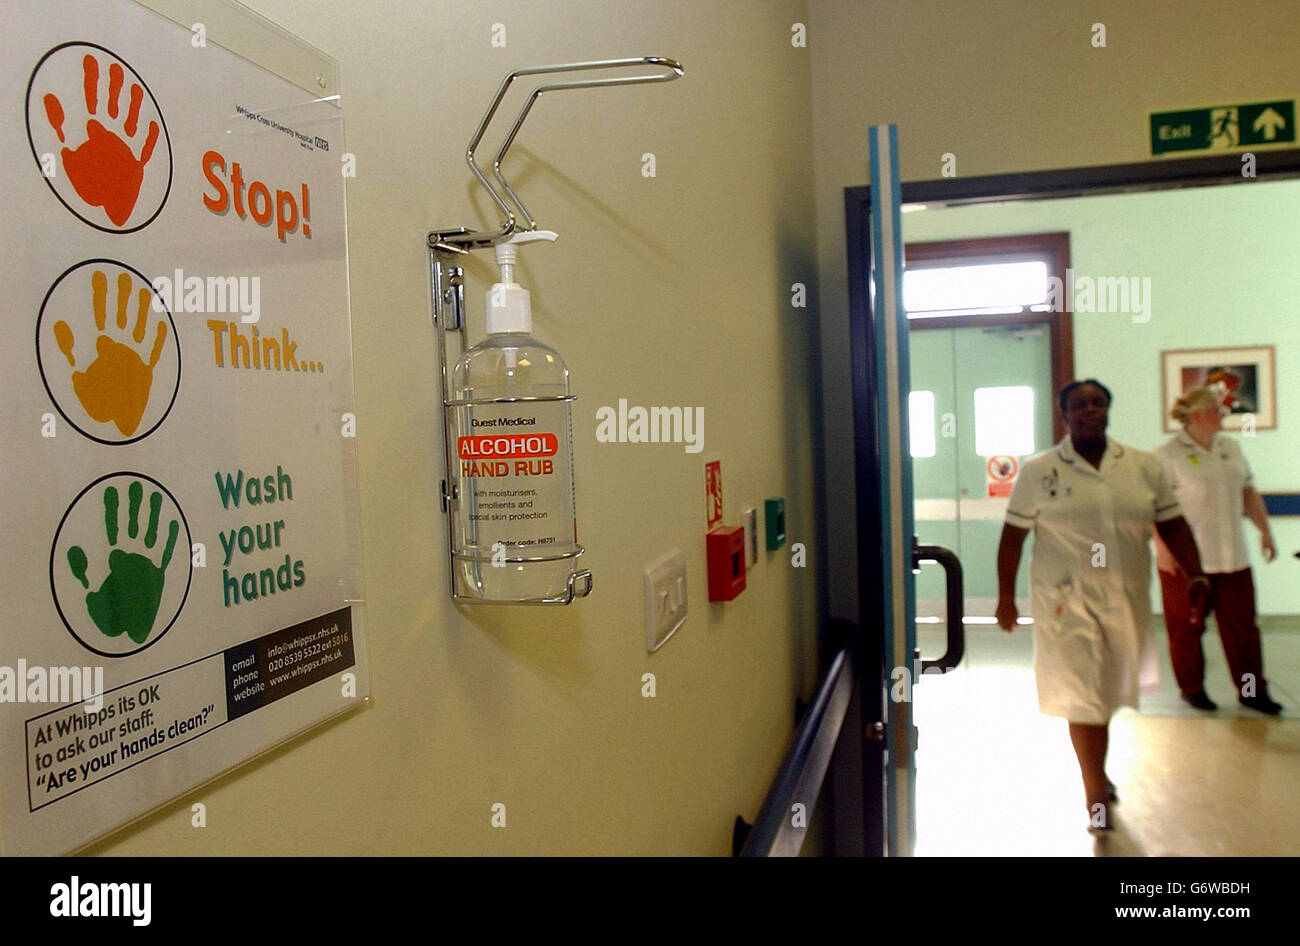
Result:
980,404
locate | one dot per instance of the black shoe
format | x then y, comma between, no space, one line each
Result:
1262,704
1201,701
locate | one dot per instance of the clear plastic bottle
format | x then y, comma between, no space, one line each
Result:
514,459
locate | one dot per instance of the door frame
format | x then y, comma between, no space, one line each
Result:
856,819
1052,249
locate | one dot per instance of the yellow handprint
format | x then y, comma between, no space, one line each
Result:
115,386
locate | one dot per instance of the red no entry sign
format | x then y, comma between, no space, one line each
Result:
1002,472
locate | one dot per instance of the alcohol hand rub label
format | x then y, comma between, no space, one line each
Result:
500,454
515,477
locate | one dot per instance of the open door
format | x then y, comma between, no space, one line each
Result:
887,551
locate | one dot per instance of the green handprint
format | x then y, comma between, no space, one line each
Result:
128,599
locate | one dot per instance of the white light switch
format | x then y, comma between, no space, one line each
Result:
665,598
750,520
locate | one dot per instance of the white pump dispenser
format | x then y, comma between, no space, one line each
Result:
509,308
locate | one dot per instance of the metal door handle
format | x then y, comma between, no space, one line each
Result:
956,602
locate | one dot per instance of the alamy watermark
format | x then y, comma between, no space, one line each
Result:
1127,295
902,679
211,294
78,898
24,684
635,424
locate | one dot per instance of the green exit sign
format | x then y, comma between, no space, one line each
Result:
1223,127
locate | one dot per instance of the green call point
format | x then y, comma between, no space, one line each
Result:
774,513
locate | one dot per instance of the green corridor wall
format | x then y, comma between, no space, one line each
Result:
1221,261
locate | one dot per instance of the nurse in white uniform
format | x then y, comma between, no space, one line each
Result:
1091,504
1216,490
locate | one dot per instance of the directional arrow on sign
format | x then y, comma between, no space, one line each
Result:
1270,122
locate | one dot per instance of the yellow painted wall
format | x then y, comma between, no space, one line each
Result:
541,709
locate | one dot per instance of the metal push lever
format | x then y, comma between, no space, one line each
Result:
462,239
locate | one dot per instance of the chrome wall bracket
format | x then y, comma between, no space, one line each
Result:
447,285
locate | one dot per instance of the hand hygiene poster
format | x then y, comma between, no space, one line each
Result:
181,562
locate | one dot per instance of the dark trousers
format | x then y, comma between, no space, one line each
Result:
1232,599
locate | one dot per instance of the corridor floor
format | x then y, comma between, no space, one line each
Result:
995,777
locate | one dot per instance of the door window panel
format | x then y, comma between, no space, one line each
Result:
975,288
1004,421
920,423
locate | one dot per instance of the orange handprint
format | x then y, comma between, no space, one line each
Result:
104,170
115,387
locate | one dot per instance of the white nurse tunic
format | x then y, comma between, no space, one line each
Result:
1091,574
1209,485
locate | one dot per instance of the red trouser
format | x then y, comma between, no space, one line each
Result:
1233,602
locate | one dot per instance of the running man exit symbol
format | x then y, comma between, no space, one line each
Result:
1223,127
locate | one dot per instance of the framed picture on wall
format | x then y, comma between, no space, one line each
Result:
1243,378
